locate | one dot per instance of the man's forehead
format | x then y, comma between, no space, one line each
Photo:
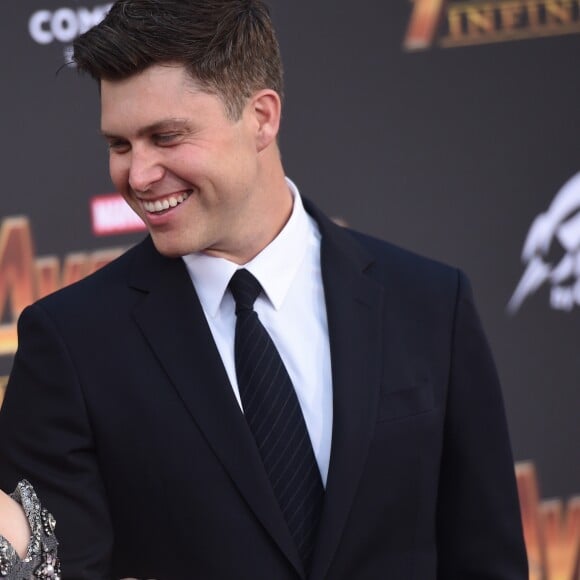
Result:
162,94
148,96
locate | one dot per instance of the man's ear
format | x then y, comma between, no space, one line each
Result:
266,108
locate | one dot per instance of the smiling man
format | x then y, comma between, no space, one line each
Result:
252,392
201,180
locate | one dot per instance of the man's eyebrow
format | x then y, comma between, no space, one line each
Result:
163,125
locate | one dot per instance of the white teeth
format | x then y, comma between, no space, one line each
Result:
172,201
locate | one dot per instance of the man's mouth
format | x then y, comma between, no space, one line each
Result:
161,205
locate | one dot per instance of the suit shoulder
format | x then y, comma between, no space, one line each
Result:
98,286
386,258
420,287
405,263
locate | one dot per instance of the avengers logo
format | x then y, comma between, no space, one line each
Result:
551,252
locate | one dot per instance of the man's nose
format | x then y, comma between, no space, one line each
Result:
145,170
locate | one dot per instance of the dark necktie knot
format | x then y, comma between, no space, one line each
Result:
245,289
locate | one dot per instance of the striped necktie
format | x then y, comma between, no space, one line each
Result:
275,419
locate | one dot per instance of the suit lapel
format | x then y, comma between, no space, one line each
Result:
354,305
172,320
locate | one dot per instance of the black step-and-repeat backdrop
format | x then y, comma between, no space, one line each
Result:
450,127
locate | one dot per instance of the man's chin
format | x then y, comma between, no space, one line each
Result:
171,248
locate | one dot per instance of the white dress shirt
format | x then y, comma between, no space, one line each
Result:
291,308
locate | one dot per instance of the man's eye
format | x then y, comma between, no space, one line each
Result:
118,146
165,138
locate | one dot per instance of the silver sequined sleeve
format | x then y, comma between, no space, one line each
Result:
41,561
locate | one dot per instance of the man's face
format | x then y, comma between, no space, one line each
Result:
190,172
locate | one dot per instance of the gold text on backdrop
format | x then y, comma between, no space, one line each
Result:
551,529
24,278
466,22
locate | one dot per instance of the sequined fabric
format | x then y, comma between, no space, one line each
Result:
41,561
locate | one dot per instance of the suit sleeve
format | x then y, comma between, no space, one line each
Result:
478,520
46,437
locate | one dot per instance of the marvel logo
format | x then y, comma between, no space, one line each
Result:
110,215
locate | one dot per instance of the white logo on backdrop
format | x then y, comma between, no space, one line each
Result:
551,252
64,24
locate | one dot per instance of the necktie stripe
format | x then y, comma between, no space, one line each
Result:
291,487
264,383
290,456
251,342
274,416
313,505
273,425
281,462
260,380
280,431
305,496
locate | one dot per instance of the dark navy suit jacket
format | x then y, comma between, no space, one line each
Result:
120,412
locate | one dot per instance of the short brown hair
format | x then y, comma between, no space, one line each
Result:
228,46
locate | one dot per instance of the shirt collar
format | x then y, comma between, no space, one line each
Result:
275,267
